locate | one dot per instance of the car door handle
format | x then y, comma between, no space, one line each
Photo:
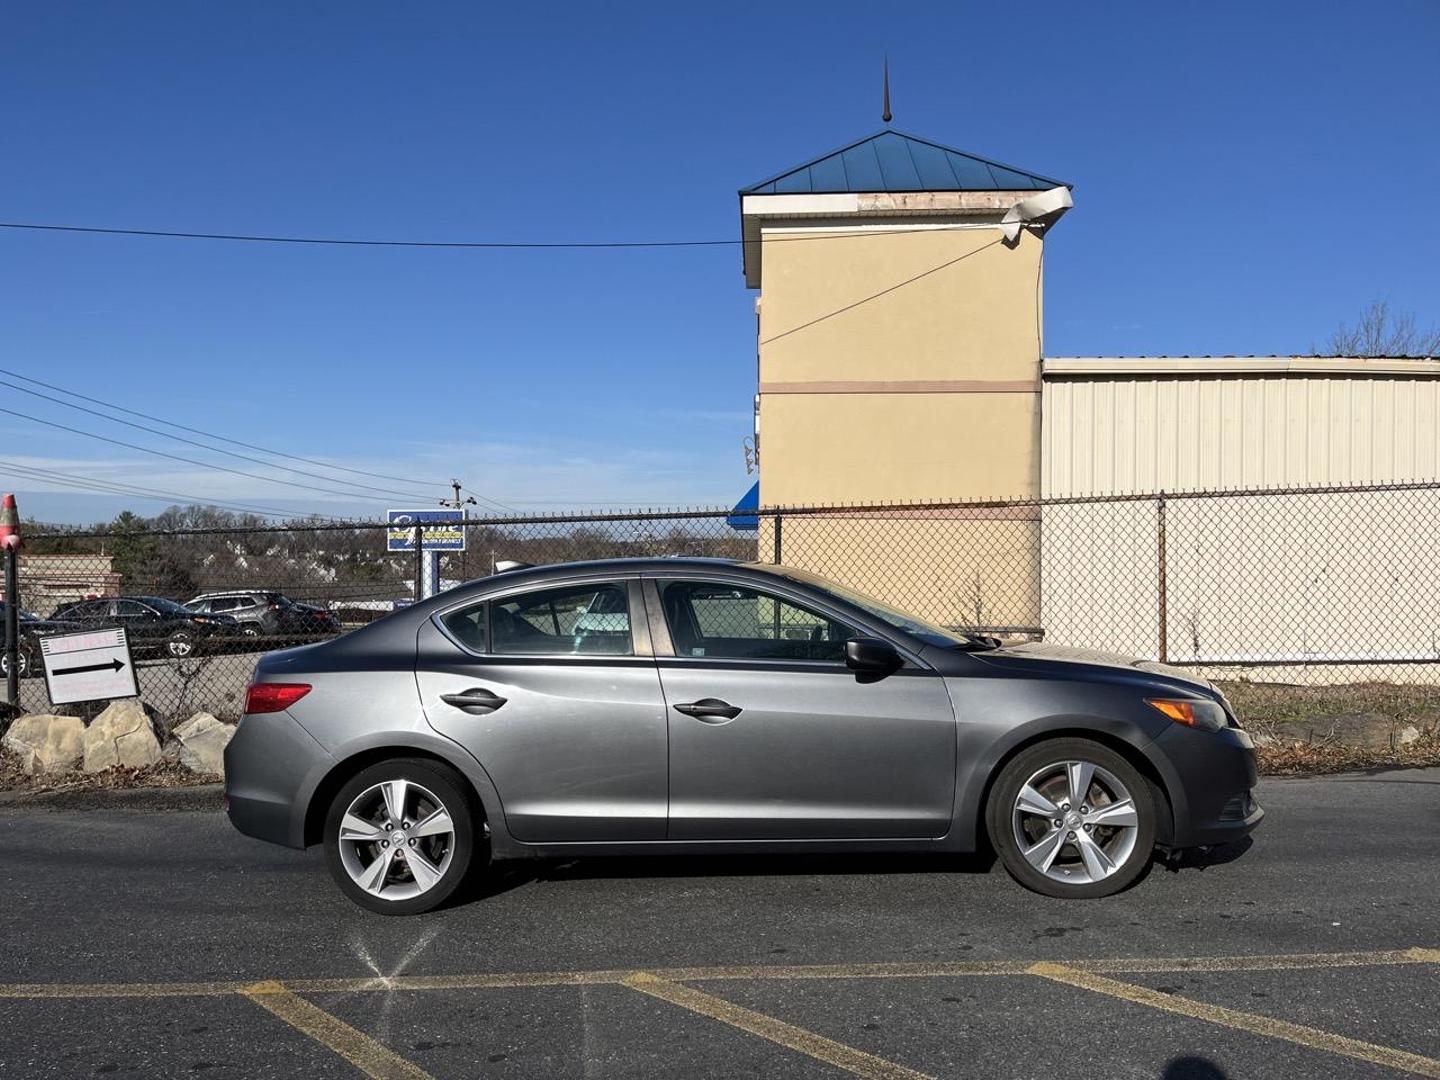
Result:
476,701
709,709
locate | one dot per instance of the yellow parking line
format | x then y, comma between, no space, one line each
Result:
367,1055
1281,962
117,990
611,977
855,1062
1310,1037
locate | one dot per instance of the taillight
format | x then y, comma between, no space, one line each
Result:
267,697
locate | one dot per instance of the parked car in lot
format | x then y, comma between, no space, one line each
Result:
153,624
32,629
266,613
681,706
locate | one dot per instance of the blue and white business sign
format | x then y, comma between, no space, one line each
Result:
440,530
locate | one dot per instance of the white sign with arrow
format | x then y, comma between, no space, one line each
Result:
90,666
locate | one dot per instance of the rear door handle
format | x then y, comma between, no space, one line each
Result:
709,709
476,701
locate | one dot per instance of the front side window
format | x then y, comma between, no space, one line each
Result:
740,623
577,620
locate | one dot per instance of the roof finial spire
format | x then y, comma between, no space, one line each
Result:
886,114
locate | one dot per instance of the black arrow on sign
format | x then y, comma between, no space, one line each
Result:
113,665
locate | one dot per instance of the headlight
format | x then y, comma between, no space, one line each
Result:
1204,715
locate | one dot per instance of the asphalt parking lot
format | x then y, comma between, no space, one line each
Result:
160,943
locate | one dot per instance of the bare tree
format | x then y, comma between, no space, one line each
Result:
1381,332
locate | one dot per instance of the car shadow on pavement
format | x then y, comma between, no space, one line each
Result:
1191,1067
1204,857
502,877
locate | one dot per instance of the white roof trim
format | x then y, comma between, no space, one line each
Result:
1054,367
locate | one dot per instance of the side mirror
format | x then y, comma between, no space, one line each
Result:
871,656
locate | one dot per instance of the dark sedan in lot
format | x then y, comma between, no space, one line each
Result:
153,624
32,629
689,706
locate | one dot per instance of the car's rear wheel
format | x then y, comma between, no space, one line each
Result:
181,644
400,836
1072,818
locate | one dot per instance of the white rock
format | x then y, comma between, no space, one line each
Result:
46,743
1407,734
121,735
202,743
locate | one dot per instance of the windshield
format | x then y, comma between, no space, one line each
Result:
902,620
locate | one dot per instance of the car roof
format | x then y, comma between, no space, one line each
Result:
634,565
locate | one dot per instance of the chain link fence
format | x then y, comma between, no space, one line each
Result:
1293,587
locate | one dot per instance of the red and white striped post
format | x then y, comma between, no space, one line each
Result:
10,542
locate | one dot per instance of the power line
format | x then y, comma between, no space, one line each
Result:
115,487
481,245
212,449
878,295
162,453
210,435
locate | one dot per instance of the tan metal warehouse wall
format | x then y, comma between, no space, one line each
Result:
1242,580
1170,424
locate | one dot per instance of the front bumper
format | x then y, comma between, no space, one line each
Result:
270,766
1213,777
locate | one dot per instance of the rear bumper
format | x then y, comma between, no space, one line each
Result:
1215,776
270,765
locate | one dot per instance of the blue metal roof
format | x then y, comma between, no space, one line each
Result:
893,161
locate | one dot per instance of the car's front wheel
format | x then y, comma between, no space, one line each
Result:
1072,818
400,836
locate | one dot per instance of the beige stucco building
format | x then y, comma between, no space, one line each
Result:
899,345
901,360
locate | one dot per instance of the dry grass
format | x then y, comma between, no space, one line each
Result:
167,774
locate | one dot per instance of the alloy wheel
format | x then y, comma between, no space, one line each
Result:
396,840
1075,822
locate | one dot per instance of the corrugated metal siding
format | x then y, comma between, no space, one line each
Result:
1106,435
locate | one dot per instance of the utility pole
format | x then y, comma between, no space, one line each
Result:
457,502
463,506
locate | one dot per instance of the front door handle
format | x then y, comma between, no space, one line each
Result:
476,701
709,709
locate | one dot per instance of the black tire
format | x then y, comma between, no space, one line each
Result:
180,645
449,791
250,630
1001,816
27,660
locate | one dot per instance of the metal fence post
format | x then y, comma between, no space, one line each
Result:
12,626
1163,585
419,563
779,535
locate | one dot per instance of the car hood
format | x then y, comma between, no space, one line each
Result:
1035,656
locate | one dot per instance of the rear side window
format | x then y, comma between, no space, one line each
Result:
468,626
573,620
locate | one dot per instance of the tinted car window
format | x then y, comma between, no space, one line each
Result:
224,603
738,622
129,609
576,619
468,626
198,606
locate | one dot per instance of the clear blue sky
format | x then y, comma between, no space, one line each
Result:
1246,176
